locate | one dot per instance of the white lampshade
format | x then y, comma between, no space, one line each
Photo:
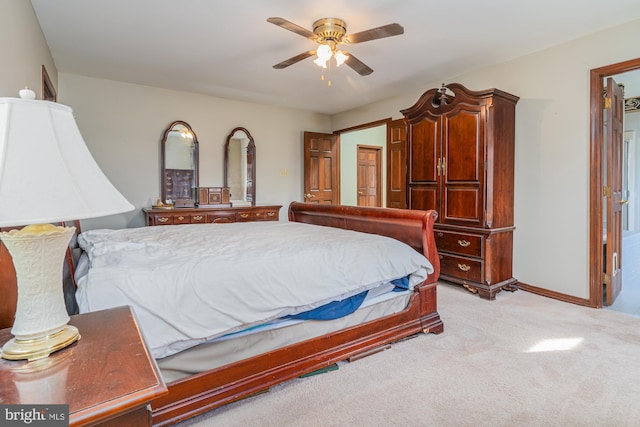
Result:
46,171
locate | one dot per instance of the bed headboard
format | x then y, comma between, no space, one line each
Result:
413,227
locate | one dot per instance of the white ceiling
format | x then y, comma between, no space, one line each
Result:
226,48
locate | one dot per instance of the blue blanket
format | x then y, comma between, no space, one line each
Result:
337,309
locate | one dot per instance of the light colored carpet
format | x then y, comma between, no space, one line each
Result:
521,360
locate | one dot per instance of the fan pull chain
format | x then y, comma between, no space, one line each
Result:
329,79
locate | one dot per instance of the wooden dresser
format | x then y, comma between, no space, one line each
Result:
107,378
209,215
461,163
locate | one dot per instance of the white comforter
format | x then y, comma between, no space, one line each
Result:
191,283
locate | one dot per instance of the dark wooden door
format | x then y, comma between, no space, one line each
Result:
321,168
369,176
462,166
614,114
397,164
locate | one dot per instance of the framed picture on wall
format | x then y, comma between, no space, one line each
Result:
48,91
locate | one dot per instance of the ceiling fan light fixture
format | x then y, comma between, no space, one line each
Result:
340,57
320,62
332,32
324,52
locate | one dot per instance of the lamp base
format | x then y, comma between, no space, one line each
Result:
39,348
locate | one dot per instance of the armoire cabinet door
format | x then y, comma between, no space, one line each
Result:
462,167
424,182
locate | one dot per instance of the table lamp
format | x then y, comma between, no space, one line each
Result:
47,175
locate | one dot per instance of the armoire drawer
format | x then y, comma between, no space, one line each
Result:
461,268
459,243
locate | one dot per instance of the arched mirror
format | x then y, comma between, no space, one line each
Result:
240,167
179,165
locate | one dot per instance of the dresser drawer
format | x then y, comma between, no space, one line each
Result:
246,216
197,219
461,268
221,217
271,215
160,219
459,243
181,218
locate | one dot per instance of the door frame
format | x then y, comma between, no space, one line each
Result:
596,258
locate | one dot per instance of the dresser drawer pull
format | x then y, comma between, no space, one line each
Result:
197,218
244,215
180,217
271,214
165,219
258,213
464,267
464,243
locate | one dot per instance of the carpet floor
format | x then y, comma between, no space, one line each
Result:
521,360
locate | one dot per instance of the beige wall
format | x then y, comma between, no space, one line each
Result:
123,123
552,150
23,50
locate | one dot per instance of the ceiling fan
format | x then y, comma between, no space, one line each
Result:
329,33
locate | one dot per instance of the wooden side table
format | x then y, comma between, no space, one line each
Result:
107,378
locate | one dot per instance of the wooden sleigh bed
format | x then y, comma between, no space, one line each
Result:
200,392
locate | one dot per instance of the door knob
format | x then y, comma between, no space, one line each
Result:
624,202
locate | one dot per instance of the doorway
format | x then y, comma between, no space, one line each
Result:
369,176
598,182
372,138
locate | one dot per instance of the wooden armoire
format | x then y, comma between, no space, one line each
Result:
461,162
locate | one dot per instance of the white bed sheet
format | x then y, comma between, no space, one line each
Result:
192,283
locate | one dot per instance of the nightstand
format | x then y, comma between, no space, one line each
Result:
107,378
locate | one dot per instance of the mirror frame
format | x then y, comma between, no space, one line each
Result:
251,163
163,159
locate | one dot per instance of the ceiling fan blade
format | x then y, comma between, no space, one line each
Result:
376,33
293,60
288,25
359,66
